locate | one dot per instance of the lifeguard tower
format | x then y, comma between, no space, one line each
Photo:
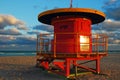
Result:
72,42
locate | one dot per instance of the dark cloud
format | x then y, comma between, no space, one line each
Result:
111,25
112,9
44,27
96,27
112,29
117,36
33,32
114,41
9,20
113,13
25,40
114,38
10,40
16,47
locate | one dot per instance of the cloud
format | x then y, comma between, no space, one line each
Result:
11,34
12,31
33,32
113,13
111,25
15,47
108,26
25,43
44,27
112,29
114,41
25,40
112,9
117,41
117,36
110,2
6,38
9,20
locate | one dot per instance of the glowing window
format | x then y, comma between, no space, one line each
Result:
84,43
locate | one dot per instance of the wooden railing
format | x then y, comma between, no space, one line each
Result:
99,43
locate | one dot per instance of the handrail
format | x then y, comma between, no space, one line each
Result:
99,43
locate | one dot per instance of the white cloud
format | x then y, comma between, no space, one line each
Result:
9,20
33,38
12,31
6,38
116,41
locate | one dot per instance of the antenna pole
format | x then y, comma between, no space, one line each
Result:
70,3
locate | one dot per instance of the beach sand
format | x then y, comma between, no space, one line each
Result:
23,68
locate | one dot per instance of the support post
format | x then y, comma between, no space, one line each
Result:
75,67
67,67
98,65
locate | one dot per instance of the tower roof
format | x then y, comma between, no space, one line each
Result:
94,15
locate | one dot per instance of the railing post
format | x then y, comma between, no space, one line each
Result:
37,45
41,43
55,44
106,44
77,44
97,44
67,67
98,65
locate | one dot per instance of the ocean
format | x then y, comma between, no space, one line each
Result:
17,53
33,53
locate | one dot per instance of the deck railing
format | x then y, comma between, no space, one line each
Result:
99,43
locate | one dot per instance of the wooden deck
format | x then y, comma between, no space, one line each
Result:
61,55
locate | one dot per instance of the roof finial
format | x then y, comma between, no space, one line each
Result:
70,3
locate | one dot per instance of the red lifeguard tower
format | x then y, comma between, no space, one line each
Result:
71,42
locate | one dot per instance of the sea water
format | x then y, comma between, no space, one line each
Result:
17,53
33,53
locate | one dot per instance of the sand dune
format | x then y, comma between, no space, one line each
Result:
23,68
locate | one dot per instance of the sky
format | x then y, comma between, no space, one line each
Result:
19,21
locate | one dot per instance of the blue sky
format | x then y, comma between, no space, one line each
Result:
19,24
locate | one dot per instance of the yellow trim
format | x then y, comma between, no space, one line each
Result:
78,74
86,10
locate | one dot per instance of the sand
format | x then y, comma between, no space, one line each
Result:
23,68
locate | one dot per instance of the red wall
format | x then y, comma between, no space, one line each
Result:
69,26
